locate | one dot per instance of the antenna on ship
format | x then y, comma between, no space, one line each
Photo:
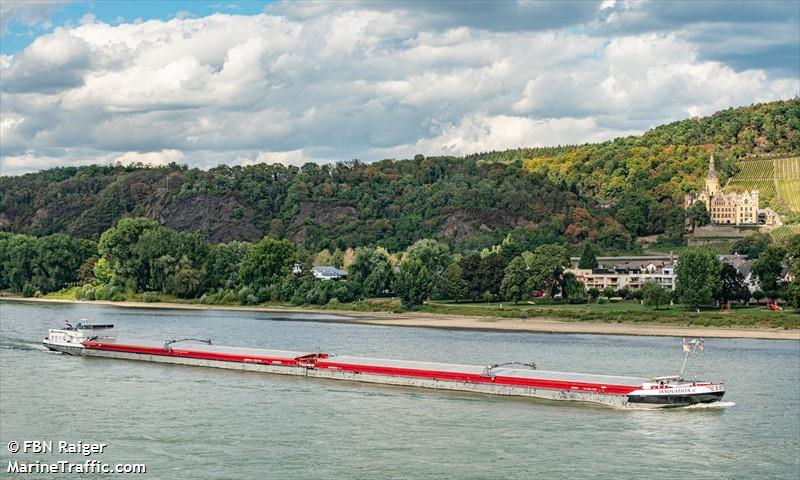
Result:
691,346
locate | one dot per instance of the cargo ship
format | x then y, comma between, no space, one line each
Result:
509,379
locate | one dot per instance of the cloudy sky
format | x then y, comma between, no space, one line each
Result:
244,82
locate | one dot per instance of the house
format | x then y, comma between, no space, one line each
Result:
328,273
642,262
632,278
769,217
743,266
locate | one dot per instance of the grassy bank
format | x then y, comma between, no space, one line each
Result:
628,312
754,316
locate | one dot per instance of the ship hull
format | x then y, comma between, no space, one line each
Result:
71,349
667,401
612,391
616,401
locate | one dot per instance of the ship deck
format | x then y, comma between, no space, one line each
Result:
378,366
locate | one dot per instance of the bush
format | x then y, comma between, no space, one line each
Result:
85,292
28,290
102,292
220,297
118,297
150,297
248,296
577,299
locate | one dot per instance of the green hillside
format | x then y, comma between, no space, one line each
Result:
607,193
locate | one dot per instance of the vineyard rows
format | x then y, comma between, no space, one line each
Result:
777,182
785,231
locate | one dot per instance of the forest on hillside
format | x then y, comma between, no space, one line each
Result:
607,193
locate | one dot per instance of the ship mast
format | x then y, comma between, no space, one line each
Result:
690,347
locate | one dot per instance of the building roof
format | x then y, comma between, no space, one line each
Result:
328,271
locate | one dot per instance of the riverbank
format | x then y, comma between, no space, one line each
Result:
538,324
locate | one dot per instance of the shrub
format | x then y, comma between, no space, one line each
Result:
28,290
86,292
150,297
118,297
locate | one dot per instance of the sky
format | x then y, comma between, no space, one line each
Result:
237,83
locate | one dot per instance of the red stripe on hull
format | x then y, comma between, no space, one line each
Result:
473,378
174,352
320,364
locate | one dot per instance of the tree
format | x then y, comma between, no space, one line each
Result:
323,258
574,290
453,286
347,257
768,268
593,293
58,258
759,295
471,274
588,257
266,262
158,252
434,255
546,265
491,273
655,295
359,270
186,281
609,292
751,246
371,270
515,280
46,264
337,258
793,289
102,271
698,277
414,283
223,263
19,260
117,245
732,286
698,215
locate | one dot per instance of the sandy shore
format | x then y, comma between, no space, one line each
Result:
462,322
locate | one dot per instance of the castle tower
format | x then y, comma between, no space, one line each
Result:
712,183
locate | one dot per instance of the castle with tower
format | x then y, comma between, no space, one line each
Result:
730,208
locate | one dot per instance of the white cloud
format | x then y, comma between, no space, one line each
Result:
481,133
27,162
292,157
342,84
52,62
648,77
28,13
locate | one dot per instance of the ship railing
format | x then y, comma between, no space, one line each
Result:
488,371
168,344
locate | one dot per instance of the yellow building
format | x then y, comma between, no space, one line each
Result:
725,208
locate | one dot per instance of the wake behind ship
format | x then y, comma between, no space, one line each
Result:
501,379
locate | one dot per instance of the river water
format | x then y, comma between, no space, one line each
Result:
203,423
